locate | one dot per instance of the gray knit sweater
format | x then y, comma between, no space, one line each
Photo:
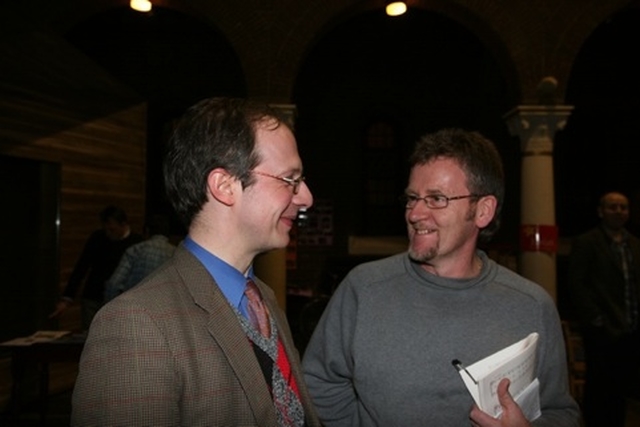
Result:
381,353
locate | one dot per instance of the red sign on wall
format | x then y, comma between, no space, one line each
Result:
539,238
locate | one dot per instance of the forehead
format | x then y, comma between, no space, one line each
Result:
616,200
441,174
276,145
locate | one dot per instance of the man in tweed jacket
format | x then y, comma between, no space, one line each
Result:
176,350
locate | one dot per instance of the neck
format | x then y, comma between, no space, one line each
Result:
464,270
615,234
226,251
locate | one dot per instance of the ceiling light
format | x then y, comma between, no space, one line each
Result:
396,8
140,5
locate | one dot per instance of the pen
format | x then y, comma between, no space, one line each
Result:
460,367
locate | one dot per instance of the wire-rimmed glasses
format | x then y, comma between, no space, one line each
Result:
293,182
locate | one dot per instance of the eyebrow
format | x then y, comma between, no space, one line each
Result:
294,171
430,192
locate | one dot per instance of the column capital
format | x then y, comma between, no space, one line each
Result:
536,126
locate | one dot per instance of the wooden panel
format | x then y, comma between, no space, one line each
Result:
102,162
58,106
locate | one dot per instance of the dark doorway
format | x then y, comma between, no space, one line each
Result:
29,275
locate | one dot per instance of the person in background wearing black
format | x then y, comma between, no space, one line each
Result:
604,281
99,258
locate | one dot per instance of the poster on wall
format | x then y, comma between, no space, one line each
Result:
317,228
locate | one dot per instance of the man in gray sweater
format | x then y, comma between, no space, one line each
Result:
381,354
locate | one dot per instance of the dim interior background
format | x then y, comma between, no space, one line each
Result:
89,90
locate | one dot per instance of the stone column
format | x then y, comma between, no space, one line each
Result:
271,267
536,126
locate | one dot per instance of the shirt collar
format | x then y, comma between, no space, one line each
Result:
230,281
624,233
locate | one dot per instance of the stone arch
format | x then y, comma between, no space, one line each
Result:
480,25
318,20
604,89
271,40
337,103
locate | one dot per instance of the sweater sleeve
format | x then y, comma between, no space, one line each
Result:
557,406
327,363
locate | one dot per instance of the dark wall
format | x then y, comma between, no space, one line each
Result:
419,73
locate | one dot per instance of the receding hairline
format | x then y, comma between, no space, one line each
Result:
604,198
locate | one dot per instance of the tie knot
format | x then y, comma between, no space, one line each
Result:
258,312
252,292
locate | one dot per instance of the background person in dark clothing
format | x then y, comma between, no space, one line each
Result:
604,281
98,260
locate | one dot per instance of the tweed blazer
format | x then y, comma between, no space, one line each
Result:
596,281
171,352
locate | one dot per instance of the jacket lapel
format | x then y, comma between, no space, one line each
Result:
225,329
605,247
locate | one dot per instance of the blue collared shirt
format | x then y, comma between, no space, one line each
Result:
231,282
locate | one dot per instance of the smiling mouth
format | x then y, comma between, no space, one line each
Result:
424,232
288,220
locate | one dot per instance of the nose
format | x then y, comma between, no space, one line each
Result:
418,212
304,198
619,208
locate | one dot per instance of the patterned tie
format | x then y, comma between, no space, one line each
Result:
258,312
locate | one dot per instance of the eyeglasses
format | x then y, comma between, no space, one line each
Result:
433,201
293,182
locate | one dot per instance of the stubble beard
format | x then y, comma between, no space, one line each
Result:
427,255
423,257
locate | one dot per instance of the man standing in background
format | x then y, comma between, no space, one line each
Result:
99,258
604,285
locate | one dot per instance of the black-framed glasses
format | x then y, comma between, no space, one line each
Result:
433,201
293,182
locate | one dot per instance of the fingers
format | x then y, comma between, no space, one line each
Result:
503,393
511,414
480,418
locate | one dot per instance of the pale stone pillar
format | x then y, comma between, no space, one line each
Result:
271,267
536,126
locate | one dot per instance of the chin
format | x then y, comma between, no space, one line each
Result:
414,256
281,241
423,255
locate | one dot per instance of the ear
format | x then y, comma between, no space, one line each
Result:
222,186
485,210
